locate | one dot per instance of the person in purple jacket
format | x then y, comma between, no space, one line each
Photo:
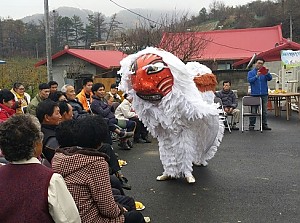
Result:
258,78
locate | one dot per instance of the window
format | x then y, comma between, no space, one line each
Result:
224,66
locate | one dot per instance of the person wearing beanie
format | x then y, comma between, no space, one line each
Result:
114,93
43,94
6,103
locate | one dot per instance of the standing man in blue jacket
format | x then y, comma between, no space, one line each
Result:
258,79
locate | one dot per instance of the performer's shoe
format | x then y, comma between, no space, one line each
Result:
190,179
163,177
201,164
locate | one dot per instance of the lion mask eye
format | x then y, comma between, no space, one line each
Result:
155,67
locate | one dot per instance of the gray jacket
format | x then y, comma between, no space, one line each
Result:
228,98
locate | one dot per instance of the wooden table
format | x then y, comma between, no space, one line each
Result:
278,97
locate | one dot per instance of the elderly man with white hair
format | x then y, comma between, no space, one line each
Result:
78,110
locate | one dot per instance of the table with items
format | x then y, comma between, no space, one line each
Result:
278,97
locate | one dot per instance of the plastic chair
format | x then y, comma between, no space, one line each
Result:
223,115
247,103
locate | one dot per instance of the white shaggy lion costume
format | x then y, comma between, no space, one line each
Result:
183,119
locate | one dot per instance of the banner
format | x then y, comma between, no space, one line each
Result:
290,58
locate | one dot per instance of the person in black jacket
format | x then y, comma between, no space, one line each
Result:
49,116
101,107
229,102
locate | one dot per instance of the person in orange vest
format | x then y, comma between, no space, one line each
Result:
85,95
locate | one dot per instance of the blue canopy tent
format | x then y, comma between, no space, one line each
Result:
2,62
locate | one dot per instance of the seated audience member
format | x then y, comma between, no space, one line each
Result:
57,96
230,103
101,107
39,194
125,111
48,115
53,86
65,110
78,110
86,172
114,93
22,99
6,103
119,181
43,94
85,95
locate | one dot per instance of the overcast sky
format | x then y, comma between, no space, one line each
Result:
18,9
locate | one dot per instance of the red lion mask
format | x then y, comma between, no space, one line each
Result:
151,78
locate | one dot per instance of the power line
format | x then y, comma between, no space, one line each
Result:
231,47
127,9
220,44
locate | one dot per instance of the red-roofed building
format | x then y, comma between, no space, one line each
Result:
224,47
71,65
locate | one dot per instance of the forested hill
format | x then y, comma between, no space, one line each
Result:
254,14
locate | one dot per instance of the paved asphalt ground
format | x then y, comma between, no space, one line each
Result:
253,178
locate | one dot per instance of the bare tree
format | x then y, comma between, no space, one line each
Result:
185,45
74,69
217,10
171,34
181,40
113,26
145,34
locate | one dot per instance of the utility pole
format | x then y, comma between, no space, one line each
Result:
48,41
291,27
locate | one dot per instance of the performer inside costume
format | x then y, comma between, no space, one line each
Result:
167,100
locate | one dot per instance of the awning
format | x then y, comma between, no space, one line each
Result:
272,54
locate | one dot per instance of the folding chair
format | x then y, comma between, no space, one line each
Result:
247,103
223,115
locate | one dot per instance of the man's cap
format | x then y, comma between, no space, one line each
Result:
43,86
